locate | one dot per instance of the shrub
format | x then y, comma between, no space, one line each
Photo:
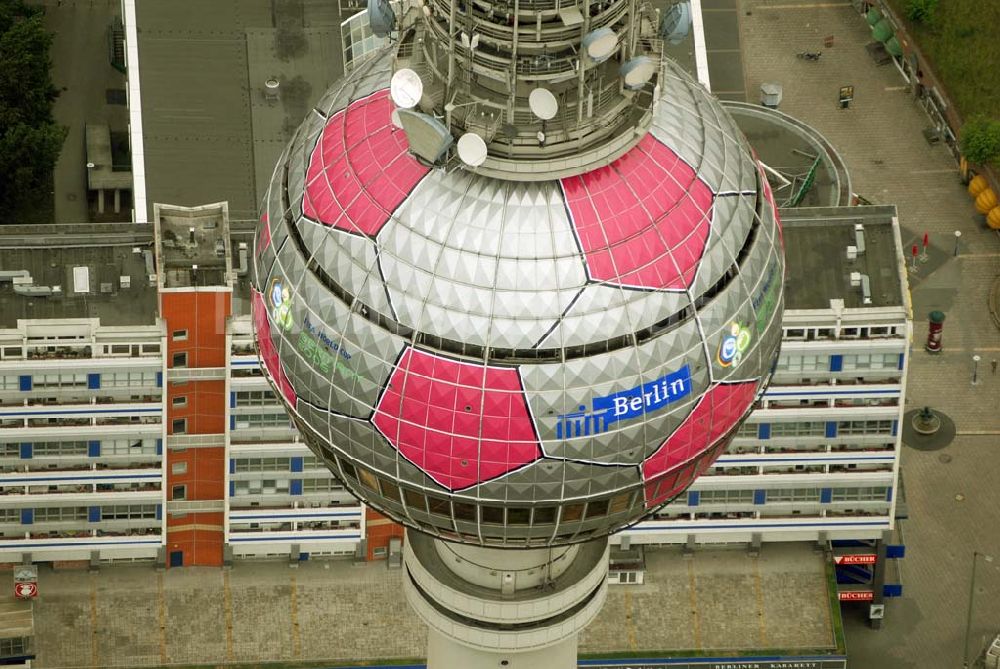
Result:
921,11
980,140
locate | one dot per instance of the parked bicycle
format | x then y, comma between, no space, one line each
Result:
809,55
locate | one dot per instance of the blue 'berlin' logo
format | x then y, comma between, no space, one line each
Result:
626,404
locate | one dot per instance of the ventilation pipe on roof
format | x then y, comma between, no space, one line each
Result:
862,280
242,268
859,238
25,285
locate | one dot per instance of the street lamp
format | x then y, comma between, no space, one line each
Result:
958,237
972,594
975,369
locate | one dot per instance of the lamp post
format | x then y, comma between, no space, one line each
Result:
975,369
958,237
972,594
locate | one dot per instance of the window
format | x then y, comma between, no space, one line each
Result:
572,513
725,497
322,485
871,361
805,429
178,492
57,514
128,379
64,380
180,335
802,363
793,495
180,359
262,465
179,467
256,398
180,426
864,427
128,511
262,420
10,515
181,401
57,448
128,447
863,494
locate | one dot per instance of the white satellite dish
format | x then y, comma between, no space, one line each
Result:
637,71
600,44
472,149
676,23
543,103
406,88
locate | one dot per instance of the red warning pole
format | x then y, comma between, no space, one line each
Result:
913,262
923,253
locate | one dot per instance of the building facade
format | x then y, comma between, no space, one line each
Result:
135,423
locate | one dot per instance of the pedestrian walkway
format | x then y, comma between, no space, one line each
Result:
953,495
719,600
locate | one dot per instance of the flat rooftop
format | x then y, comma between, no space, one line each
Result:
192,245
818,266
77,271
95,271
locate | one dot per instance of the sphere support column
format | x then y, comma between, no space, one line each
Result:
490,607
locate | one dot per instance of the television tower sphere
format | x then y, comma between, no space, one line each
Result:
534,346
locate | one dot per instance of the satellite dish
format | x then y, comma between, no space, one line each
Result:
600,44
676,23
406,88
381,18
429,139
637,71
543,103
472,149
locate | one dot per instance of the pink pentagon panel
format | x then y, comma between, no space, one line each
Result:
269,354
642,221
716,413
460,423
359,170
265,234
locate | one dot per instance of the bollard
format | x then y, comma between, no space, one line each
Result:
935,325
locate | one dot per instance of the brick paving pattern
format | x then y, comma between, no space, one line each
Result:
880,139
340,611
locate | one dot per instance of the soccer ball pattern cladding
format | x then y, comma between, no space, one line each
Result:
517,363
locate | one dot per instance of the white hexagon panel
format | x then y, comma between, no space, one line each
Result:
517,363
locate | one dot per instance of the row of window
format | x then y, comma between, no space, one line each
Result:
860,494
106,447
68,513
121,379
274,464
870,332
253,398
804,362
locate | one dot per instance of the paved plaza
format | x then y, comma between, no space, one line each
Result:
335,610
953,495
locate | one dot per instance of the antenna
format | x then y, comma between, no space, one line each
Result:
600,44
381,18
676,23
472,149
543,103
406,88
637,71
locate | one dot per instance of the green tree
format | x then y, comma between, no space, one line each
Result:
921,11
980,140
30,139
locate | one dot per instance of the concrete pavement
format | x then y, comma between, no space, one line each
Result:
334,610
954,500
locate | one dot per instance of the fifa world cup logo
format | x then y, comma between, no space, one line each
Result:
281,303
734,343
